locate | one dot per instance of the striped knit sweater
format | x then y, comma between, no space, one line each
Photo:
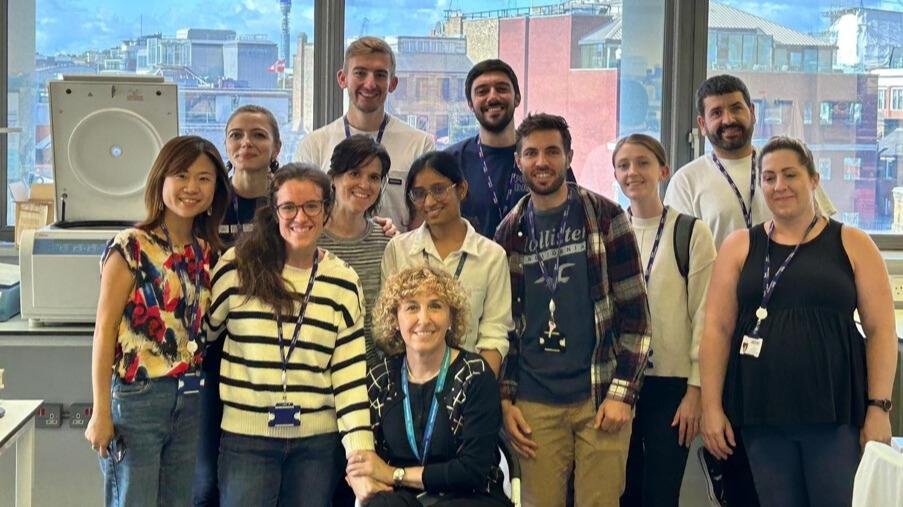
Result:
326,371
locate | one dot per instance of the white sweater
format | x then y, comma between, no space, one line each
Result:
678,310
326,371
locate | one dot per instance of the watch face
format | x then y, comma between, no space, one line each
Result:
884,405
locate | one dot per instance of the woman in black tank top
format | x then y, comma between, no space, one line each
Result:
782,360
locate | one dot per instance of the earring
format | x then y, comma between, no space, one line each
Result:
274,164
229,167
210,211
160,206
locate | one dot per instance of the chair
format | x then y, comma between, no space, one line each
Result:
511,465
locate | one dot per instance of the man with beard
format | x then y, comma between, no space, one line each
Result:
368,75
487,159
581,338
721,187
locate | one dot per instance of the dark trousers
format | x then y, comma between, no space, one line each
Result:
804,465
734,486
656,462
408,498
205,491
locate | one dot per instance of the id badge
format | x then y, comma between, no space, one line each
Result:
751,346
553,341
191,383
284,414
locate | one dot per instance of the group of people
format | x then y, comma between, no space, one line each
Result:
267,336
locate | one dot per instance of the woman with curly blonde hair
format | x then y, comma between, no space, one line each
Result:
435,408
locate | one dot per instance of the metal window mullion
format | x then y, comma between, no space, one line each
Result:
329,51
6,232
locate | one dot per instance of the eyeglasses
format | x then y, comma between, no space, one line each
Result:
289,210
438,191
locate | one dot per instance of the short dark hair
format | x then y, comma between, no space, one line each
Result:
543,121
442,162
721,84
802,151
492,65
354,152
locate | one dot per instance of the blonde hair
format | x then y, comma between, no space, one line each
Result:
369,45
405,285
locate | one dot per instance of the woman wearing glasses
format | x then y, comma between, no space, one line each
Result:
293,359
435,188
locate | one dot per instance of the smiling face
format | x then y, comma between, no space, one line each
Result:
728,121
786,184
250,145
368,80
638,172
443,208
301,232
493,101
544,162
423,321
358,189
189,193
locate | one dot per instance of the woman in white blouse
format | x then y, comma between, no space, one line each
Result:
435,188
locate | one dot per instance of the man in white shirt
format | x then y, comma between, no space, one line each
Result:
368,75
721,187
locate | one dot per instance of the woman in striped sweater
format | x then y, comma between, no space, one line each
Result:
293,365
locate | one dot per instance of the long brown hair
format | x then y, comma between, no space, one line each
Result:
175,157
260,253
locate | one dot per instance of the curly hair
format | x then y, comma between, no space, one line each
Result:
407,284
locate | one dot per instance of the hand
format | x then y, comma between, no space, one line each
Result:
612,415
364,487
387,225
876,427
369,464
100,432
687,417
518,430
717,434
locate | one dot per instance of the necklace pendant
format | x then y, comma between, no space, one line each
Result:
761,313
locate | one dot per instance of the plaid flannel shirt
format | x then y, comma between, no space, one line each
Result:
620,307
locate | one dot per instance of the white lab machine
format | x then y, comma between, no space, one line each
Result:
106,131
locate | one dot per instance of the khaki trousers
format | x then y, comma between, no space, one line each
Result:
567,439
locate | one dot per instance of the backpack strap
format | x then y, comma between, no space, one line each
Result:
683,232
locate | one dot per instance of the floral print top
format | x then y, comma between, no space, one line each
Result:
152,340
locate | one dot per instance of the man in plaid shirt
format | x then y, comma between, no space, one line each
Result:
581,335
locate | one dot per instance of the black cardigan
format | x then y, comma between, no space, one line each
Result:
464,447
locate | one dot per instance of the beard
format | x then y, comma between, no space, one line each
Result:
551,189
717,138
499,125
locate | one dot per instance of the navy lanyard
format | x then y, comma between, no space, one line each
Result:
770,282
193,325
658,238
426,259
291,348
501,208
421,455
747,212
550,280
379,135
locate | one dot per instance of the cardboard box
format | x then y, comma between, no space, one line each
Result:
34,206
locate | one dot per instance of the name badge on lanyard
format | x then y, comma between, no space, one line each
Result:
191,382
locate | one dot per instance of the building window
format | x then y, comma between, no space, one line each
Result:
807,113
826,113
882,93
824,168
896,99
850,218
446,88
851,166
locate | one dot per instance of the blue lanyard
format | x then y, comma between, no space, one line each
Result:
747,212
434,409
426,259
550,280
770,282
193,325
291,347
502,209
379,135
658,238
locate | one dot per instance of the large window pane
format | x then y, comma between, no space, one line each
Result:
820,65
221,54
586,61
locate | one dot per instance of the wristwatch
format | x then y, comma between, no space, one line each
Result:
885,405
397,477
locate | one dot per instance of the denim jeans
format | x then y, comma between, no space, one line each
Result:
263,471
159,430
206,493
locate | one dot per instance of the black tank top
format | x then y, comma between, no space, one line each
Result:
812,366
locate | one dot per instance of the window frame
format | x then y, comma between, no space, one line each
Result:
7,232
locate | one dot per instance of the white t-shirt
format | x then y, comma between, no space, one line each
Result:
403,142
678,310
699,189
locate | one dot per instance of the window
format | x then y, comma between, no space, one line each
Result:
851,166
827,113
896,99
882,94
824,168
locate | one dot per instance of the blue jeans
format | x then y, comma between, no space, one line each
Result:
206,493
159,429
263,471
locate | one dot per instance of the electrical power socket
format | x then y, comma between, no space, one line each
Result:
896,286
49,415
80,414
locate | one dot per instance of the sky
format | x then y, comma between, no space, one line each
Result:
73,26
